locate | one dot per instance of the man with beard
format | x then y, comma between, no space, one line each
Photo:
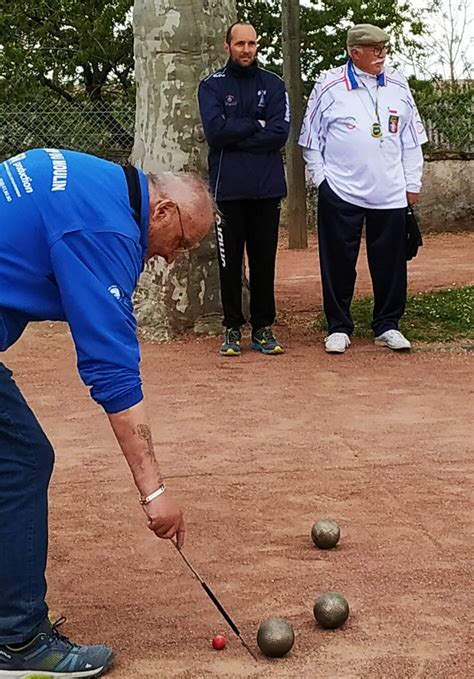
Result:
245,114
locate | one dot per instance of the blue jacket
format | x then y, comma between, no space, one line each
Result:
70,250
244,158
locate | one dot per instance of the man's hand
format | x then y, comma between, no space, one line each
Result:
134,436
165,518
412,198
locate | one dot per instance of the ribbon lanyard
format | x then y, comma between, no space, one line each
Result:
376,128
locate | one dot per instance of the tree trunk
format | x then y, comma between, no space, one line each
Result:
177,42
297,228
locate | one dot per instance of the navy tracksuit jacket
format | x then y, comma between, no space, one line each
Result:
247,177
245,158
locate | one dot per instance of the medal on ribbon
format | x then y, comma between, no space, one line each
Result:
376,130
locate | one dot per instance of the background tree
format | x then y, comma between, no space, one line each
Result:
176,44
442,84
73,51
295,171
446,51
324,27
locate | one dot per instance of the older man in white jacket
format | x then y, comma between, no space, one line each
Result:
361,139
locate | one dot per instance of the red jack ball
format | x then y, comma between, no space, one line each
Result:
219,642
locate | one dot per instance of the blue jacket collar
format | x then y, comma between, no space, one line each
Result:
351,80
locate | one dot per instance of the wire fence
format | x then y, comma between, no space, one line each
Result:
107,129
447,111
102,129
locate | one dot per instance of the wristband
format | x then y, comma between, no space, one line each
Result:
149,498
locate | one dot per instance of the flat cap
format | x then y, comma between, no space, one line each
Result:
365,34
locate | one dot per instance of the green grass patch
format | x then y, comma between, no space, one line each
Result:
438,316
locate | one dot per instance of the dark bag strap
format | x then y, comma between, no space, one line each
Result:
134,192
414,239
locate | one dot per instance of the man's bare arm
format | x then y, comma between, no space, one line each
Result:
134,437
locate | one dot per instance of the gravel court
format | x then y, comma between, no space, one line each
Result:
257,449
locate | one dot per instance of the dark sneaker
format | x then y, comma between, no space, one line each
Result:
231,344
264,340
50,655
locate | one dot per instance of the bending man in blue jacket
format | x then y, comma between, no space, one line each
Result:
245,114
74,233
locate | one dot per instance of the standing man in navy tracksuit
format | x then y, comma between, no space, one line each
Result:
246,118
75,231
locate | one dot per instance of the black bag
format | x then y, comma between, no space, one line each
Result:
414,239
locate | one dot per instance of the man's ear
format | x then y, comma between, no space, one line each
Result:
226,47
163,212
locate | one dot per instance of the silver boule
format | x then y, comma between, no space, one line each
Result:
331,610
275,637
325,533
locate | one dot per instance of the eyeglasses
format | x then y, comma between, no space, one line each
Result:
377,50
185,242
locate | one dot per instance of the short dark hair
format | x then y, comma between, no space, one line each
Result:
228,35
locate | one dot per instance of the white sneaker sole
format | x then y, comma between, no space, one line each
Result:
382,343
38,674
335,351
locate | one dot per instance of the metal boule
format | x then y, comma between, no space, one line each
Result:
331,610
325,533
275,637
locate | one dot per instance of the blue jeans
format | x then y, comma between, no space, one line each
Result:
26,463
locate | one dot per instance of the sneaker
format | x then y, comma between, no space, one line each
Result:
393,339
264,340
337,342
231,344
50,655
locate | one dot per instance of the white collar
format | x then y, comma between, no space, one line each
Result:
363,74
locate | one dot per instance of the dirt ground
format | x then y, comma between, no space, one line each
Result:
257,449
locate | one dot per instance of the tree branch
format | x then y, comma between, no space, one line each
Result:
55,88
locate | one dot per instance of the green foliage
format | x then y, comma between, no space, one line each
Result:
438,316
324,26
265,15
74,49
84,48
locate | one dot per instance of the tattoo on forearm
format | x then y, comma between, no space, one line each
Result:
144,433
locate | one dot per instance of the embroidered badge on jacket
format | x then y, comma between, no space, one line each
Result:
393,123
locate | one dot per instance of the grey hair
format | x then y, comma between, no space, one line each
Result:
185,188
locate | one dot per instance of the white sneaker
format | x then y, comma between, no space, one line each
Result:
393,339
337,343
